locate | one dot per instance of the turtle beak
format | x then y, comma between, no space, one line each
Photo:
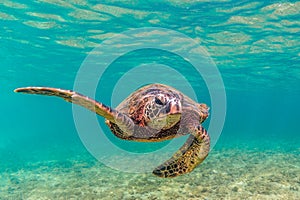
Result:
173,108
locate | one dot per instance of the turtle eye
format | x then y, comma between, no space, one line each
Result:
158,101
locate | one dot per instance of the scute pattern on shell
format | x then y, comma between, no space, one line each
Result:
134,104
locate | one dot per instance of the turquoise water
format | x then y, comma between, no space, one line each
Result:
255,46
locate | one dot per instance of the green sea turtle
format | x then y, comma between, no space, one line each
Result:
155,112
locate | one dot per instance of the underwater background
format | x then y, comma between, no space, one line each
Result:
255,46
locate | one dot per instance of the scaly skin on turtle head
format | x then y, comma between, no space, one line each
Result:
162,111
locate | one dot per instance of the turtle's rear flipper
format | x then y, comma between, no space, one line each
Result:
191,154
74,97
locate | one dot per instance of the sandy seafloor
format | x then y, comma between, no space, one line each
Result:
240,170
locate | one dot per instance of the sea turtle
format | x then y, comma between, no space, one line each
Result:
155,112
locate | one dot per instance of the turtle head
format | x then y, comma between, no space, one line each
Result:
162,111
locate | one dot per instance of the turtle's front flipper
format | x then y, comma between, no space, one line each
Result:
76,98
191,154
